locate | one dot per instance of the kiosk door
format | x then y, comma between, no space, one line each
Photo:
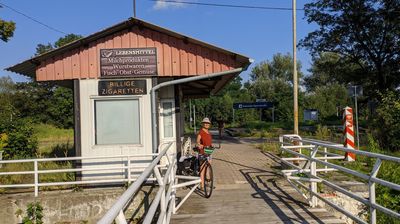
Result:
167,121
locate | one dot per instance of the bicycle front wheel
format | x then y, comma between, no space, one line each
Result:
208,183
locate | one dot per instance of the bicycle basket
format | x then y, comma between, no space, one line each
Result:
208,150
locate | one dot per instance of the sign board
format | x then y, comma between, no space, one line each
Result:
310,115
355,91
258,105
128,62
122,87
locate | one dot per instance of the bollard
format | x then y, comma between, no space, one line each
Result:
348,132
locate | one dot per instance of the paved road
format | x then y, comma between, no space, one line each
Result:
248,190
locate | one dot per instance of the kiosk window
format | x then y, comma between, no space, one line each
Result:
117,122
167,120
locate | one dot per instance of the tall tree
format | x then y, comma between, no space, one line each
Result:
281,67
43,48
273,81
7,89
7,29
366,32
329,68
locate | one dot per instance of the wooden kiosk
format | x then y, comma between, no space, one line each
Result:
129,81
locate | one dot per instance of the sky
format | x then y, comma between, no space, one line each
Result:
256,33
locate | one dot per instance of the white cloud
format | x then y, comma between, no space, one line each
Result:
161,5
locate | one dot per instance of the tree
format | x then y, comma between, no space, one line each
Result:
326,99
7,29
47,102
364,32
43,48
273,81
329,68
281,67
7,88
387,124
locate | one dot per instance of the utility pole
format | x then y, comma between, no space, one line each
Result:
358,132
295,88
134,8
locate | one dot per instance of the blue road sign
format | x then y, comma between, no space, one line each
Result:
259,105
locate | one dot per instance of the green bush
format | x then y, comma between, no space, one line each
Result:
21,142
385,196
34,214
387,122
322,133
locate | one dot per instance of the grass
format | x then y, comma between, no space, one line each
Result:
53,142
269,147
49,136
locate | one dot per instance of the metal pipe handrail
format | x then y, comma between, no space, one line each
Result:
94,160
311,172
357,152
123,200
153,208
75,158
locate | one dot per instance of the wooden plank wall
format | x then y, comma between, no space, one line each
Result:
175,57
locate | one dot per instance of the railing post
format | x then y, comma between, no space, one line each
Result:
120,219
129,169
175,182
162,188
371,186
313,184
35,165
325,160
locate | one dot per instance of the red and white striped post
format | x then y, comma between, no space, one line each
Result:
348,131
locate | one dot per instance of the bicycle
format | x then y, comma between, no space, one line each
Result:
193,164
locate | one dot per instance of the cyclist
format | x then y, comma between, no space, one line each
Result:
204,140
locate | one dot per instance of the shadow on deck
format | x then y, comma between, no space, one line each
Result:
249,190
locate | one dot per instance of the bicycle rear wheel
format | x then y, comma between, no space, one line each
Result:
208,183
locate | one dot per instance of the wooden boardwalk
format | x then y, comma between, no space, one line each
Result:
248,190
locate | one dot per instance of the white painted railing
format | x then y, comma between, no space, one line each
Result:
164,201
163,174
319,154
125,165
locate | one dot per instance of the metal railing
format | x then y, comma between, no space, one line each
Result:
319,154
164,175
124,165
164,201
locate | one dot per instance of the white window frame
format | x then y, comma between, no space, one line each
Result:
111,98
161,125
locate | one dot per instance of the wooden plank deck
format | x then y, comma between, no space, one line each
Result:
248,190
